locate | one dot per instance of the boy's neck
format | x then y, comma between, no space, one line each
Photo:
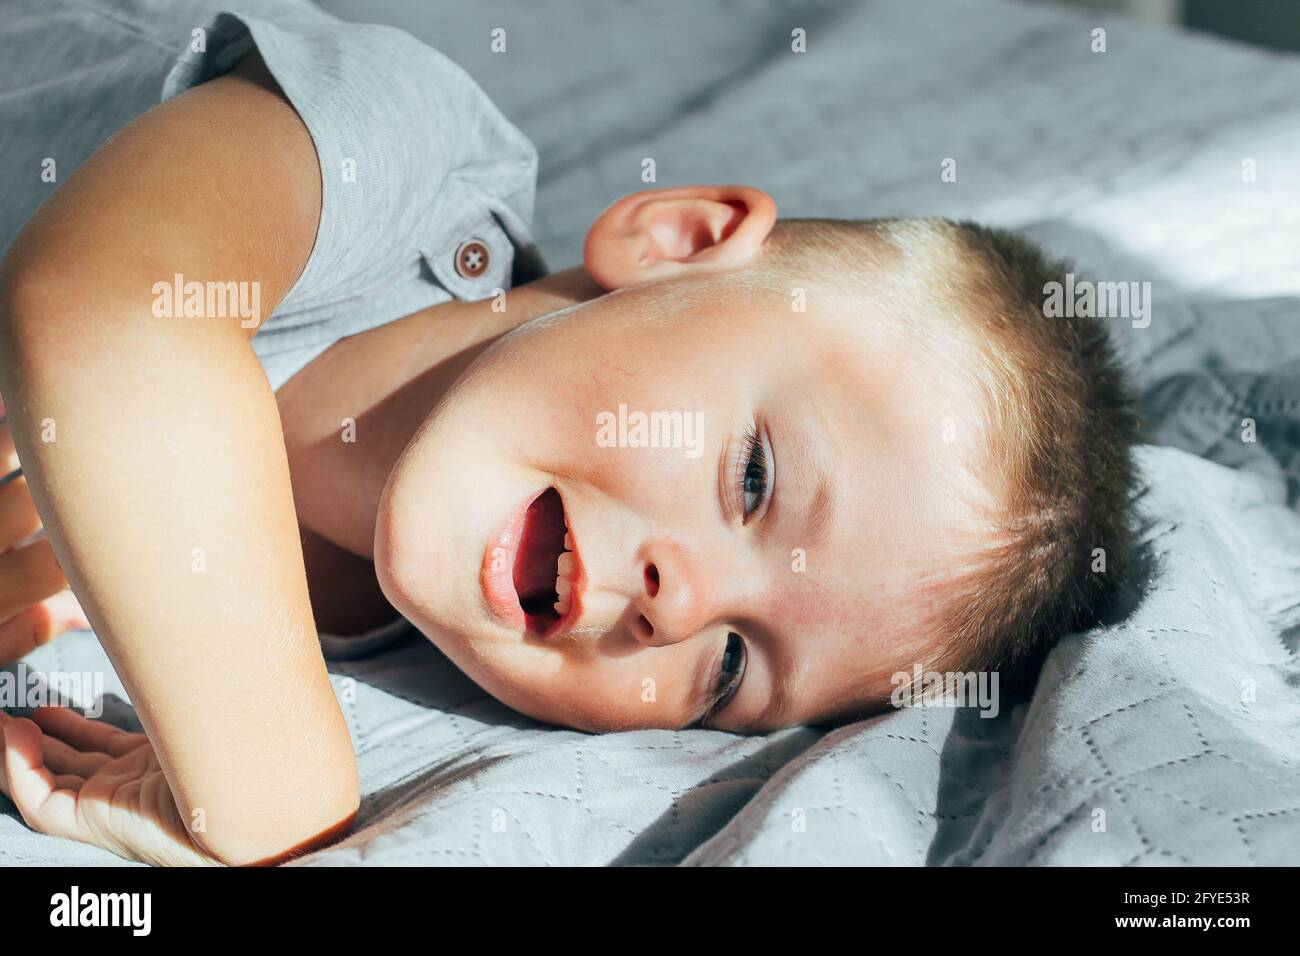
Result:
350,413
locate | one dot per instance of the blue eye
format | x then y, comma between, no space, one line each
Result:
754,479
731,671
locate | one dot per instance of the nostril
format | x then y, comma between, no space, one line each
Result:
646,627
651,580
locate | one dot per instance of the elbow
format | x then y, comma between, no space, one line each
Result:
269,837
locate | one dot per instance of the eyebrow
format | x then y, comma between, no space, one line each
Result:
785,679
701,703
821,511
811,468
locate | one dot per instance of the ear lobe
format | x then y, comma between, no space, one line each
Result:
653,235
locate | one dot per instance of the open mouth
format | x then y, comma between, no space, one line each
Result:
544,569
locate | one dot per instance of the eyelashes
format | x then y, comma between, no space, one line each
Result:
730,672
734,659
753,475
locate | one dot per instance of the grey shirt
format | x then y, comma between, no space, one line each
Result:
427,190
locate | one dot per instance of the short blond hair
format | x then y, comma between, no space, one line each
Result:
1061,426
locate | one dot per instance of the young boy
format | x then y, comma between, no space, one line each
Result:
265,383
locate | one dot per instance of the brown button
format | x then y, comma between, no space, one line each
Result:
472,259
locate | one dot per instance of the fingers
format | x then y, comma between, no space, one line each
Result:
29,629
4,719
8,454
65,613
62,759
28,576
75,747
30,785
24,632
85,734
69,765
18,517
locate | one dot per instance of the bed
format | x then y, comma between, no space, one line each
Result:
1169,735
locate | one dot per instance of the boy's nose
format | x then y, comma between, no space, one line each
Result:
674,601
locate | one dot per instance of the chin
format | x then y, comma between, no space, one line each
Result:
413,595
414,568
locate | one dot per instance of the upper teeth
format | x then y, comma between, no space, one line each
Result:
564,578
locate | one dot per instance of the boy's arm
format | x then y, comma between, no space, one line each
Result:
154,452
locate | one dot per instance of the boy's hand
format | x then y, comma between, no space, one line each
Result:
36,604
89,781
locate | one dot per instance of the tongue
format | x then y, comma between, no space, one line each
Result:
540,544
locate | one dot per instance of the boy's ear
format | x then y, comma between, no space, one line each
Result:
666,232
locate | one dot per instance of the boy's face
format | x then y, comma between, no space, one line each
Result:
810,487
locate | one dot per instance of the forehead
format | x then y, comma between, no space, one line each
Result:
899,414
896,434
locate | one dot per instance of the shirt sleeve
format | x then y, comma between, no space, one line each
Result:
354,647
413,158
